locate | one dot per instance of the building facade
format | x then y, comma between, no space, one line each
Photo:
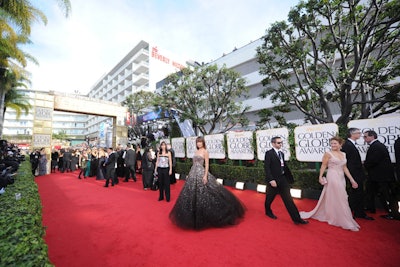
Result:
139,70
20,130
244,61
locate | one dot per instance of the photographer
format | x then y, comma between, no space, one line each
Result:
34,160
8,156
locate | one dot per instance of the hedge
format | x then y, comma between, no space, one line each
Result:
304,179
21,229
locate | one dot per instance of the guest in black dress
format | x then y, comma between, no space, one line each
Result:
94,163
101,171
54,160
148,164
203,202
138,159
61,160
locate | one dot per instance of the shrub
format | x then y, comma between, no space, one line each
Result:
304,179
21,229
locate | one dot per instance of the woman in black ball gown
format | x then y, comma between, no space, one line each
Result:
203,202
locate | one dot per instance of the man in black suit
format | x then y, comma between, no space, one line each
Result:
67,160
110,164
354,164
130,162
380,176
277,175
397,157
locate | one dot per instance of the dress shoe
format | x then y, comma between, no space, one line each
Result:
125,181
106,186
366,217
387,217
160,199
301,222
271,215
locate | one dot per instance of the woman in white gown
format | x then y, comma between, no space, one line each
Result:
333,206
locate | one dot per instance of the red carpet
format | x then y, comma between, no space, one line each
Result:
89,225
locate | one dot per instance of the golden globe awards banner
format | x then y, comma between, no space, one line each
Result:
387,129
178,144
191,146
312,141
240,145
215,146
263,138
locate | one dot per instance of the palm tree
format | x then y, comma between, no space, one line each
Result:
13,98
22,13
16,18
16,100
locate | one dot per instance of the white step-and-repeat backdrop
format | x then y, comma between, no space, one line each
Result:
311,141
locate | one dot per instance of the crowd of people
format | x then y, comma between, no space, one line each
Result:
203,202
104,164
10,159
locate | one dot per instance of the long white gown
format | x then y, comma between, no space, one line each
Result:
333,206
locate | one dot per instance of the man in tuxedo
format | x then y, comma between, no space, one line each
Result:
110,165
34,159
354,164
380,176
67,158
130,162
277,177
396,147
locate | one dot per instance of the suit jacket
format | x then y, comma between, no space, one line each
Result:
110,162
273,168
130,157
354,163
378,163
397,157
67,156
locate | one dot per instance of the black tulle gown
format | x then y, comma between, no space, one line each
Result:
202,205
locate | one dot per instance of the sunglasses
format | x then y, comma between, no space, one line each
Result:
278,143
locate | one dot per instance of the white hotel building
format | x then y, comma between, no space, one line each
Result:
139,70
244,61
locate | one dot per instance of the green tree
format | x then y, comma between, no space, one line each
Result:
334,56
12,98
12,63
209,96
22,13
61,135
17,101
16,18
137,104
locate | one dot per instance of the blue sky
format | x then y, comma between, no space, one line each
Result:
75,52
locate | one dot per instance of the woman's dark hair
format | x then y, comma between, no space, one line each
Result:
166,150
201,139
